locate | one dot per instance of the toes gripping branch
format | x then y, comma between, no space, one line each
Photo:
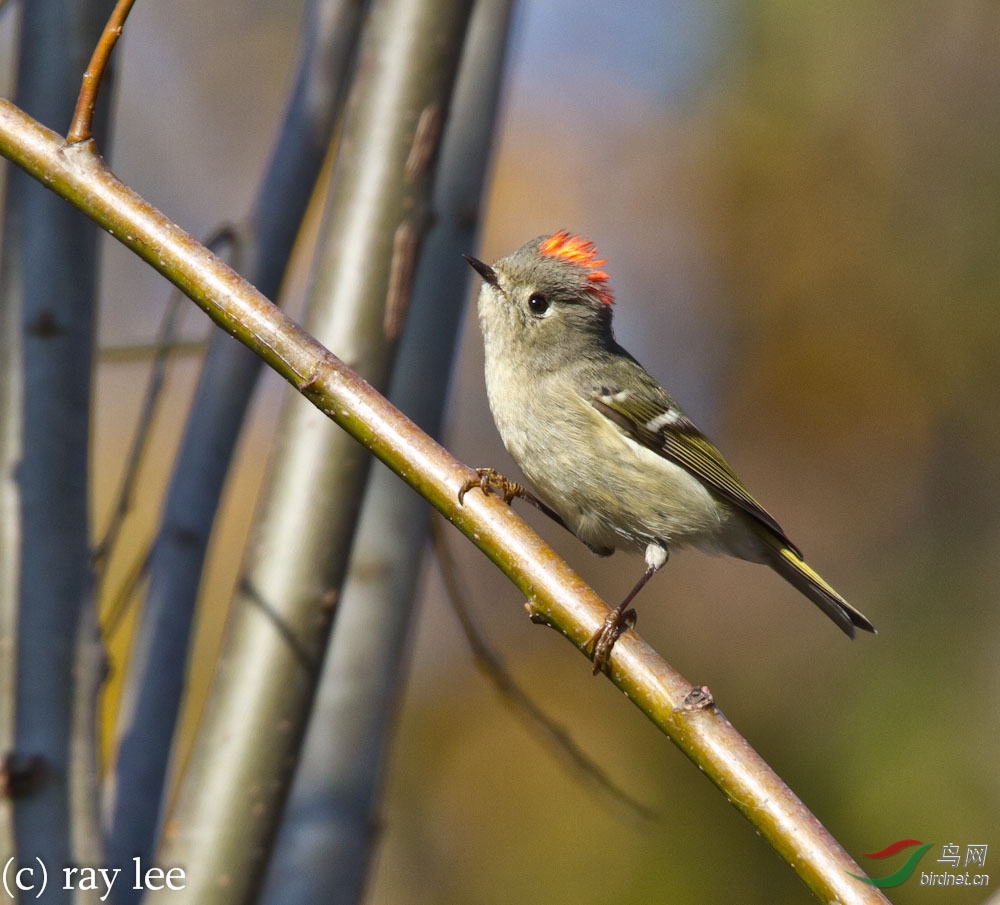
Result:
489,480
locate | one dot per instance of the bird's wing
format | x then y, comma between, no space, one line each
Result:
646,414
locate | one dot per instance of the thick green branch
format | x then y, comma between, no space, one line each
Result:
557,596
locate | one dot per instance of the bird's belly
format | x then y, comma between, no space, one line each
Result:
614,493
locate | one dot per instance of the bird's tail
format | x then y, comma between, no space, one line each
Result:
790,566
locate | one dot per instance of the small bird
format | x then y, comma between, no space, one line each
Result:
609,454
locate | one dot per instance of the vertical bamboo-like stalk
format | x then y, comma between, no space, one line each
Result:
152,696
326,842
11,404
48,281
377,212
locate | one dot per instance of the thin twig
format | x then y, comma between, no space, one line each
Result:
80,127
493,667
120,602
225,235
127,354
140,437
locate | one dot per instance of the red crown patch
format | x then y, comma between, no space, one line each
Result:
580,251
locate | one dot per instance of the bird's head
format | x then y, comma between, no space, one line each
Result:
549,294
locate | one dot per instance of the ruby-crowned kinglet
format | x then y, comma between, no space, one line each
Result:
601,442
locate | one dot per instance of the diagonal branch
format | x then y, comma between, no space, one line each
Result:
556,594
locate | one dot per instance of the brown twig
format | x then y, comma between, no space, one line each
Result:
83,115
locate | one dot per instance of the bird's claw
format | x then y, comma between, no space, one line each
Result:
489,480
617,622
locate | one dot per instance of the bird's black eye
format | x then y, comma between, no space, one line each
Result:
538,303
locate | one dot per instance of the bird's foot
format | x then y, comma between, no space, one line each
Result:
618,621
489,480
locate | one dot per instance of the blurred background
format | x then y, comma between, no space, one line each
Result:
800,209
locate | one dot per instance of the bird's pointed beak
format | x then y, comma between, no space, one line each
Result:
488,274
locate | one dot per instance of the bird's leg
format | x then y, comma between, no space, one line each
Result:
489,480
621,618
